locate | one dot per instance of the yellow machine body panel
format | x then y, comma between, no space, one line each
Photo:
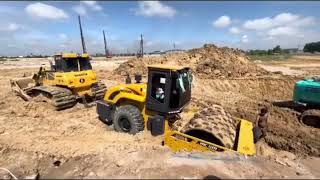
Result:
178,141
130,94
73,55
79,81
245,139
126,92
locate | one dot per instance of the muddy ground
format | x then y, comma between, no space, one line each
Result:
36,140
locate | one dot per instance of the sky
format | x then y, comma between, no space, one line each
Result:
48,27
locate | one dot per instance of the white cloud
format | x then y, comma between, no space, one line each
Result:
93,5
89,3
306,21
258,24
244,39
81,10
286,19
155,8
222,21
234,30
41,10
286,31
85,6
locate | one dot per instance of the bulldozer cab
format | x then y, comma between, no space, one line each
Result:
71,62
168,89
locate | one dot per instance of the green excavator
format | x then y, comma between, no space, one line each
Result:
307,94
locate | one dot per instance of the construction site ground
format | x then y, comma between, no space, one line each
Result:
37,140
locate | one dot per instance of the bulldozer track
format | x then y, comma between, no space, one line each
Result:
61,98
99,90
215,121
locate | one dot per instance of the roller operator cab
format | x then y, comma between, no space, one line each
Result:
168,89
132,107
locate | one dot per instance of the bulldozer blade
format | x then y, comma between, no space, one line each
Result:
20,86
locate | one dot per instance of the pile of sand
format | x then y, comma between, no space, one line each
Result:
207,61
139,65
224,62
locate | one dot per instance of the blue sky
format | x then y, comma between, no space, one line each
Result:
48,27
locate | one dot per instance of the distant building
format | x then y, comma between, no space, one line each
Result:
292,50
156,52
174,51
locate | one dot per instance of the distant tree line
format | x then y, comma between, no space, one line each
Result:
312,47
275,50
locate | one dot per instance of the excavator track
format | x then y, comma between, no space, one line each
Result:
311,117
60,98
100,89
213,124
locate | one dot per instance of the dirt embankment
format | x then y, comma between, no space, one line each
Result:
226,76
244,97
208,62
38,137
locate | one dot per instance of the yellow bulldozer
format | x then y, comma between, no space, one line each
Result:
156,105
69,79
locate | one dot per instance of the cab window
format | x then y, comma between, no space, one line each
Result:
85,64
158,87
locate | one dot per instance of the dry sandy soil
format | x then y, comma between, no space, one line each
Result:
304,65
36,140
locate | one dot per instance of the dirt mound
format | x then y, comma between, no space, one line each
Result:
224,62
207,61
15,106
139,65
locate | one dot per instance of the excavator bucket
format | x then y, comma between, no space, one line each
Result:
20,86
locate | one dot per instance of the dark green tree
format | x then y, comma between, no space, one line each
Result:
276,49
312,47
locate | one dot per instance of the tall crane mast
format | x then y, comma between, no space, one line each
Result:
106,50
84,50
140,52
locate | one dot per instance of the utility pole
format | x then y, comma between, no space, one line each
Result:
84,50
